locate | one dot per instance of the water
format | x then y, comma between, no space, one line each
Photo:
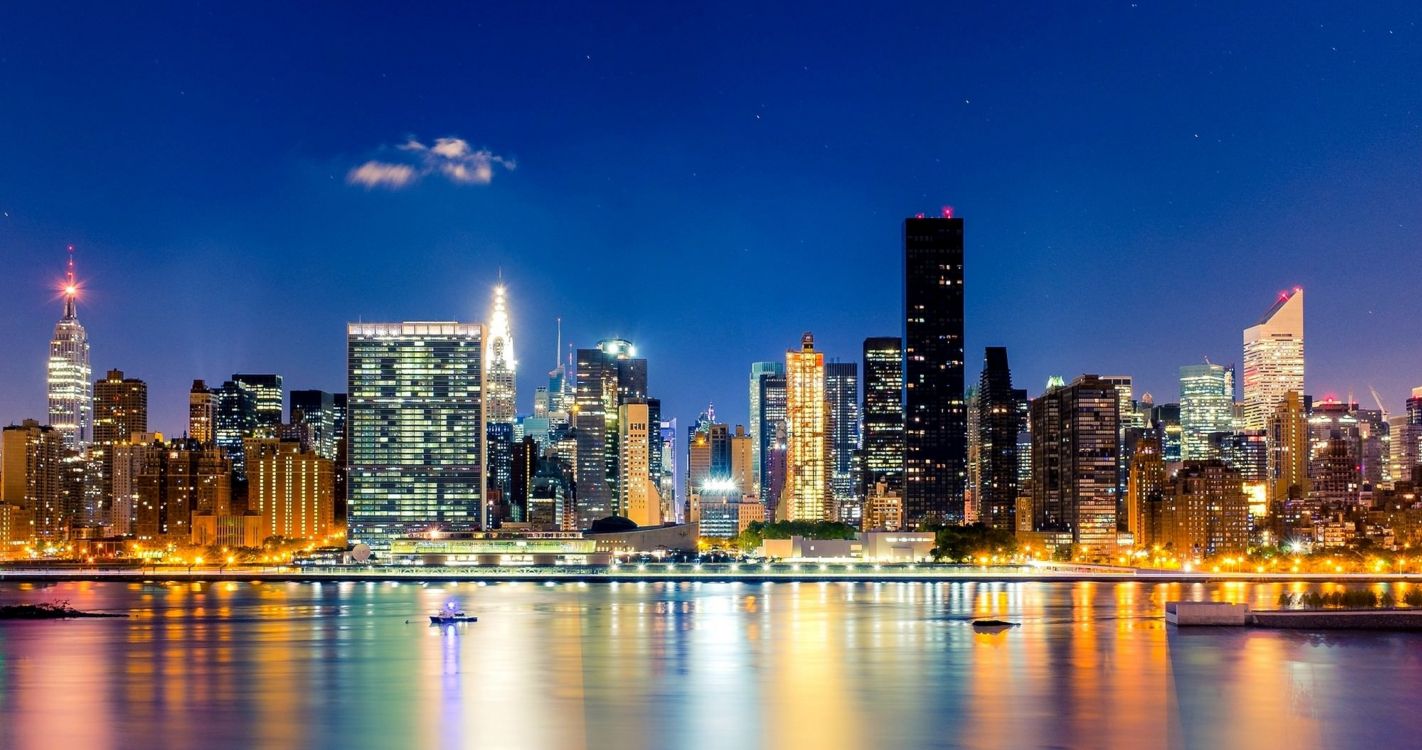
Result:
697,665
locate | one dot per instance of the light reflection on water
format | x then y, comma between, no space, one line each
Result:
714,665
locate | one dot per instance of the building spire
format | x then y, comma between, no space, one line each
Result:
71,288
558,349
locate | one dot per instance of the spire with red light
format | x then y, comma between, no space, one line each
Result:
71,288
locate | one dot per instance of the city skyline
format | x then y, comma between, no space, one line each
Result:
532,375
251,257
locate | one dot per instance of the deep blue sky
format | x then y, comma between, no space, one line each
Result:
1138,180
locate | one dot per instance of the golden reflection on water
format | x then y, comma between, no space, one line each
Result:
716,665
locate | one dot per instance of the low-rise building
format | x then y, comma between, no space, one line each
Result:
897,546
800,548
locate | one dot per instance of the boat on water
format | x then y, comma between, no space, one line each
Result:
451,614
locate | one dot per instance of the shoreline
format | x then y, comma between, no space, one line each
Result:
683,573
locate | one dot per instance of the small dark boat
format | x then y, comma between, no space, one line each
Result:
450,615
993,624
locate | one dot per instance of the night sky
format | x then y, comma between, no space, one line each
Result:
1139,180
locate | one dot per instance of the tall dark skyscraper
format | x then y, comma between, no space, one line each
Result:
607,377
772,439
935,415
842,393
999,422
883,411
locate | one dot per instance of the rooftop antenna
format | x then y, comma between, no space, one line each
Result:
558,350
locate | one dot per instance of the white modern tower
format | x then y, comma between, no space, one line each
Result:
1273,359
71,390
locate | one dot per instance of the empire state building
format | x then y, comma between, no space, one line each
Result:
71,394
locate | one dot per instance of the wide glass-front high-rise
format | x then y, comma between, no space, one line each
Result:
415,416
935,414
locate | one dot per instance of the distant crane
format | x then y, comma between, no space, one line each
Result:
1378,400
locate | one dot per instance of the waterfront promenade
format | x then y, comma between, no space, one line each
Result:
810,572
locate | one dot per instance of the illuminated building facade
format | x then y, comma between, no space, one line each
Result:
316,411
771,477
1288,449
1206,408
935,416
1145,491
33,475
638,499
807,495
415,423
1074,439
758,371
202,413
1273,359
667,478
1337,436
1205,512
1405,446
71,395
842,393
501,386
236,421
178,481
607,377
292,490
1000,421
267,401
120,411
883,412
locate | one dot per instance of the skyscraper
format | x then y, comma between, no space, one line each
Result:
807,491
1288,449
120,410
842,392
1273,359
267,401
638,498
1405,450
999,422
33,456
607,377
1206,408
758,439
71,395
202,413
883,412
935,418
316,412
1145,491
667,475
236,420
772,432
1074,439
415,414
499,358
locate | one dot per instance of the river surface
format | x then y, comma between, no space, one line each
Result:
694,665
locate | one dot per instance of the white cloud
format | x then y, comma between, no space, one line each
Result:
452,158
451,148
373,174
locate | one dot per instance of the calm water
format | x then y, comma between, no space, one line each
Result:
714,665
